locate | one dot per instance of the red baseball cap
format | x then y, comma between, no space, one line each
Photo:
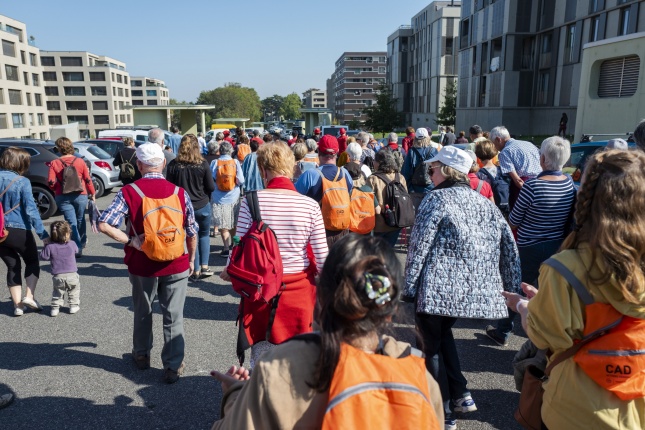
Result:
342,131
316,131
226,132
328,145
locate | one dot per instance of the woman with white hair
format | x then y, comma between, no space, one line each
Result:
312,156
542,216
354,152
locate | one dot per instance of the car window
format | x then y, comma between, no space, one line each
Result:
98,152
32,152
110,148
143,137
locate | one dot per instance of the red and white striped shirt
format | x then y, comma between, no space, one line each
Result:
296,221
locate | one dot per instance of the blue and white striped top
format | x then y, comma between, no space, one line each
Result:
542,210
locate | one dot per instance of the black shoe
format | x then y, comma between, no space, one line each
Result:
171,376
141,361
206,273
494,335
224,253
196,276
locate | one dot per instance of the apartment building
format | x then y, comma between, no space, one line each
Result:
148,91
23,113
520,62
422,60
356,80
91,90
314,98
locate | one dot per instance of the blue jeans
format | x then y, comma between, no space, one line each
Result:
390,237
203,219
531,258
73,208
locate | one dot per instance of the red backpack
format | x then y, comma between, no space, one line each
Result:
255,267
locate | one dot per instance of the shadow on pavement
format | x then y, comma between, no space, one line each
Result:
194,308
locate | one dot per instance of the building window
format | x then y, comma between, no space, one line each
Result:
1,96
47,61
15,97
55,120
128,117
113,77
152,102
74,91
25,77
76,105
41,119
8,48
569,44
51,91
53,105
545,51
100,105
33,60
73,76
464,39
71,61
137,102
619,77
121,105
3,121
122,118
81,119
17,120
596,5
595,29
119,91
97,76
543,88
151,93
101,119
11,73
125,79
49,76
39,99
35,79
99,91
137,93
114,92
28,98
136,83
119,78
23,57
127,92
624,22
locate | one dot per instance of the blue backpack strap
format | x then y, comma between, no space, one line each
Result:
572,279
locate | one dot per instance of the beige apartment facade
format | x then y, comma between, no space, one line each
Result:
88,89
23,113
148,91
314,98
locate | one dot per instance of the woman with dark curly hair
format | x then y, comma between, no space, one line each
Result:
191,172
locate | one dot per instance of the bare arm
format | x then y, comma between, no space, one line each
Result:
516,179
191,244
113,232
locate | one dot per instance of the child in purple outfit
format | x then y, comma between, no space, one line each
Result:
61,253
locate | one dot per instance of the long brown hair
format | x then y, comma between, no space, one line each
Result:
345,311
610,216
189,151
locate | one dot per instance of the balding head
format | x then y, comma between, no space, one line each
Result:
156,136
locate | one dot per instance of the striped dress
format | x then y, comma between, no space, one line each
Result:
542,210
296,221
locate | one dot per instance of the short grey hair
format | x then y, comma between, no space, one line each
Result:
156,136
639,135
501,132
363,138
225,148
213,147
311,145
354,151
386,160
393,137
555,152
219,136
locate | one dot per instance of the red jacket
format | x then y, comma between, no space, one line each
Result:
342,143
407,142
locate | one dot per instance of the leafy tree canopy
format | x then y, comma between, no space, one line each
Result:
448,111
233,101
383,117
291,107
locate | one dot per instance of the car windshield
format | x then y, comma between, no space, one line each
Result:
98,152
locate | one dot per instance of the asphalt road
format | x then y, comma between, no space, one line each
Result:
75,371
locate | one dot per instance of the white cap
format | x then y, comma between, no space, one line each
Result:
421,133
150,154
453,157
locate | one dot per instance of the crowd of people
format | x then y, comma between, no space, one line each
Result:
491,231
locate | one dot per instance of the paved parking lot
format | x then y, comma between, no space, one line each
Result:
74,371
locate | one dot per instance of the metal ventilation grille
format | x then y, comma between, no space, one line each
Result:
619,77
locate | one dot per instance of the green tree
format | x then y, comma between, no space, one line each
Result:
271,107
448,111
290,109
233,101
354,124
383,117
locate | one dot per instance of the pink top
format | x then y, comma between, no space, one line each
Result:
486,190
296,221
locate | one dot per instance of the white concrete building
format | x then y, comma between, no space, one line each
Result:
148,91
90,89
314,98
22,100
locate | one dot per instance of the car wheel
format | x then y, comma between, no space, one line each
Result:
98,186
45,202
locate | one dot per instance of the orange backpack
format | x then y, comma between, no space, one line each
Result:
242,151
613,353
163,226
375,391
312,158
225,176
362,217
335,202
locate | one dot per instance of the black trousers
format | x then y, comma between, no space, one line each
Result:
19,244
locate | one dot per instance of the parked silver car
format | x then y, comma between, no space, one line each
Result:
104,173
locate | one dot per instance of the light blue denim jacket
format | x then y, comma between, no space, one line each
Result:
26,216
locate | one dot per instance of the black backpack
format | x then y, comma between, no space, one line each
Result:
71,182
397,198
369,162
501,185
420,176
127,168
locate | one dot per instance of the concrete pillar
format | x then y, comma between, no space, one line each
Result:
203,122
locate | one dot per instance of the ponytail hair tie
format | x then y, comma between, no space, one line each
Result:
377,288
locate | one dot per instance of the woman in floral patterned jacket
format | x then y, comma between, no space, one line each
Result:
461,256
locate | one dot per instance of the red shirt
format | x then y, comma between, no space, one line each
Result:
407,142
342,143
258,140
290,142
486,190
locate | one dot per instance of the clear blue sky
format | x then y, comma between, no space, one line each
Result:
196,45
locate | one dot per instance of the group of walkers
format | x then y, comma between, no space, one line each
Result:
486,225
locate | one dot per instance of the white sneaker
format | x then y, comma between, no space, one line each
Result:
54,312
74,309
18,312
465,404
31,303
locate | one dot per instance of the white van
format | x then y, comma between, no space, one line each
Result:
139,136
